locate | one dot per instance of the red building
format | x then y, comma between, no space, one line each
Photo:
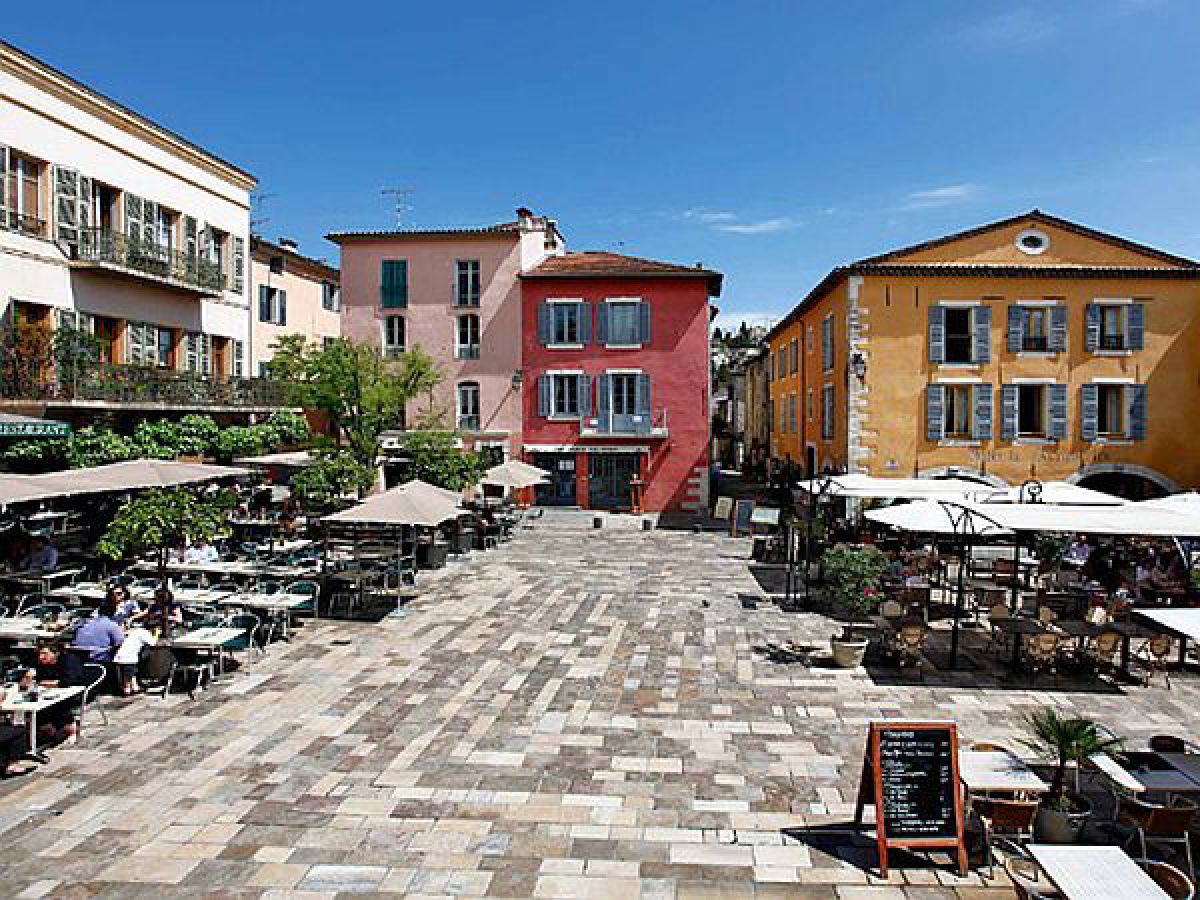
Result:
615,370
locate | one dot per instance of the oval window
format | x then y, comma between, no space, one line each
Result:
1032,241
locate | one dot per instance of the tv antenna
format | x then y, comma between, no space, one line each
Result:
401,198
257,202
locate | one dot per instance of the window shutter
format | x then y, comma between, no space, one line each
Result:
282,300
1091,334
1137,326
133,217
1016,328
604,400
264,304
1008,411
545,323
1089,413
5,201
981,349
1058,329
66,205
934,411
643,322
394,287
937,334
981,397
1058,412
85,208
585,323
1137,411
544,390
602,323
239,266
642,399
585,395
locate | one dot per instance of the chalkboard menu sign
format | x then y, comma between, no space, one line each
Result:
910,772
742,512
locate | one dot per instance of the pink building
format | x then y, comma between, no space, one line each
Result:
454,292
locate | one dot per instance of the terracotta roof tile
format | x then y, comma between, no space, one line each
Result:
600,264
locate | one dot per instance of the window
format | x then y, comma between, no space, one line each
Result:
1032,241
238,365
141,344
958,412
216,244
197,353
468,406
809,338
1113,411
827,412
466,337
393,288
564,323
782,367
794,354
166,348
623,323
1031,410
272,305
793,405
239,265
331,296
959,335
20,194
393,336
956,422
1113,328
467,282
1035,329
827,344
622,388
564,395
1110,412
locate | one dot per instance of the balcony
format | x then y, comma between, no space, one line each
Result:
466,351
609,424
102,384
11,220
1113,342
113,251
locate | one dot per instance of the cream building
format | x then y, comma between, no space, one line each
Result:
293,294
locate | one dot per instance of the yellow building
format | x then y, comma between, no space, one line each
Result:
1028,348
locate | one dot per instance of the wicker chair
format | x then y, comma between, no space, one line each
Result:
909,643
1025,876
1103,649
1041,652
1154,655
1176,885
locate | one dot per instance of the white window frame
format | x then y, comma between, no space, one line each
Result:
460,390
828,412
391,351
478,272
971,306
459,344
1122,303
554,302
622,301
553,375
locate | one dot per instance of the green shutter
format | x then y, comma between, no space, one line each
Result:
393,291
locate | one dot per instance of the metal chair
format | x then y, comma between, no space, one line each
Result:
1027,881
1154,824
1153,655
1008,818
190,584
97,674
251,637
1176,884
27,600
1168,743
909,642
161,665
47,612
999,612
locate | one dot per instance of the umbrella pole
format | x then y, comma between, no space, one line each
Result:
1016,582
958,601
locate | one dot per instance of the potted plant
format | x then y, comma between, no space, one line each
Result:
1063,814
852,577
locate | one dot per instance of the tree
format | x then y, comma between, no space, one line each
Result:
321,484
437,459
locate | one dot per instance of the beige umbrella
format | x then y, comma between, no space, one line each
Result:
133,474
404,505
514,474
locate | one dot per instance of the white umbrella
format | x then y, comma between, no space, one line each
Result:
514,474
1057,493
871,487
402,505
931,517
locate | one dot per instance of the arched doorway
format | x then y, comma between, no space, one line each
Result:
1125,480
966,474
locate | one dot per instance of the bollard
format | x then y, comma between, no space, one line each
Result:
597,522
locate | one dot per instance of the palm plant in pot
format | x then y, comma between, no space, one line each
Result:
1064,813
852,577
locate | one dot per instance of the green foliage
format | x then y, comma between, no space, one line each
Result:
437,460
158,520
1066,739
35,456
291,427
241,440
338,474
853,575
93,446
156,439
1049,548
197,436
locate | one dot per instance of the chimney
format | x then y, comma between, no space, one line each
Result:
288,243
524,217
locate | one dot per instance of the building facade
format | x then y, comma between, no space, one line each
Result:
293,294
1030,348
757,427
455,294
116,227
615,384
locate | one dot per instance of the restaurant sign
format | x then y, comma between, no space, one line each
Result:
34,429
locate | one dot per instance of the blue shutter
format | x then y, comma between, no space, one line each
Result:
602,323
584,311
1058,412
1137,411
981,349
1016,328
981,396
1008,411
644,323
545,325
1091,333
937,334
934,411
642,395
604,402
1089,412
1137,326
585,396
1058,329
545,399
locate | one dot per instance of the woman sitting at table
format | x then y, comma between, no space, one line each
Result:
14,739
126,607
164,612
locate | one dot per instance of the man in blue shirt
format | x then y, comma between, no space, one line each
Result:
101,635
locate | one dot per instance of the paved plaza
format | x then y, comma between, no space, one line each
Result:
576,714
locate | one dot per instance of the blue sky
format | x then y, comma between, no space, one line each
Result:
771,141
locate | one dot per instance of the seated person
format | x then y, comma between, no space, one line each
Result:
126,607
101,635
201,552
14,740
164,610
1078,552
42,556
57,669
129,656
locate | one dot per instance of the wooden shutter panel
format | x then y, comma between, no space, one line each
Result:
1058,411
643,322
282,301
264,304
1016,329
545,323
981,349
544,389
1091,332
5,201
585,395
1058,329
937,334
604,400
66,205
602,323
1137,326
149,223
981,399
133,217
642,400
935,405
1136,395
1008,411
585,323
1089,411
239,266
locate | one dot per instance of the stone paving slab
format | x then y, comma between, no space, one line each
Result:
576,714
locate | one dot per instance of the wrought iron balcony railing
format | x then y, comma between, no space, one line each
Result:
137,256
1035,343
1113,342
466,351
110,383
11,220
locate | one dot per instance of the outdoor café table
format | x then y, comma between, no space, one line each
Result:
273,603
47,697
25,629
200,596
1095,873
1014,629
1187,763
92,592
997,771
212,639
1161,778
1181,623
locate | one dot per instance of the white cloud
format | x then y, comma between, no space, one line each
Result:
765,226
1015,28
708,216
940,196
